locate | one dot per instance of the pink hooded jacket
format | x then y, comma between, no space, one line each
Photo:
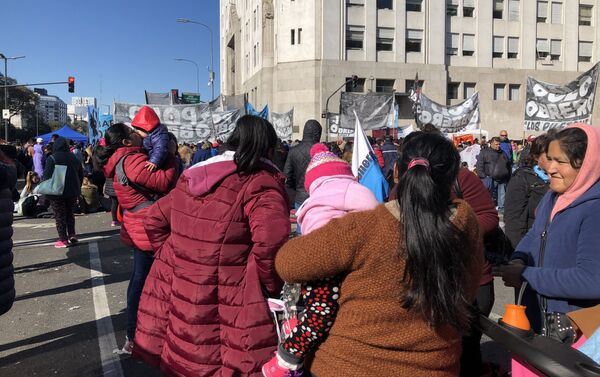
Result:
331,197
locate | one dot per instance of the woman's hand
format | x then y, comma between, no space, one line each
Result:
511,273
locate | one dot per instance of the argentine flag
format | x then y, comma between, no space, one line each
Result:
365,166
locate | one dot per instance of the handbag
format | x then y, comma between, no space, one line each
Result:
56,184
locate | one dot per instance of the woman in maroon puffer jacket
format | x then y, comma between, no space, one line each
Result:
203,311
135,197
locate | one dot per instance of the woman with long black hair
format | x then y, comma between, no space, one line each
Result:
409,268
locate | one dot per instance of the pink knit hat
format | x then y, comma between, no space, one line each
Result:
324,163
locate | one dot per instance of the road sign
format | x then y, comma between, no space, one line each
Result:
189,98
5,114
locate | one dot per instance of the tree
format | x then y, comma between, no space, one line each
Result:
55,125
20,101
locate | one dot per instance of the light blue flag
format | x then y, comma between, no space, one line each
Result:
365,166
264,113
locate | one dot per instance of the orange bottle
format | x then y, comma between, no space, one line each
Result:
514,315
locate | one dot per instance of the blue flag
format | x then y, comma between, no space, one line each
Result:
264,113
365,166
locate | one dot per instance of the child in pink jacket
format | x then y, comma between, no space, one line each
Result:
334,192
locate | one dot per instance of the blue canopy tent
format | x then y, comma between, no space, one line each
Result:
66,132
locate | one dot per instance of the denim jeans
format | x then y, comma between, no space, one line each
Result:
298,230
501,189
142,261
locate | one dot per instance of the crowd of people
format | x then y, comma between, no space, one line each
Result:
383,289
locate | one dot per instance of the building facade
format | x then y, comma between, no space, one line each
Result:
52,108
296,53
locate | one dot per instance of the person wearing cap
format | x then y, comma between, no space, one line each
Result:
38,156
334,192
390,155
155,136
297,162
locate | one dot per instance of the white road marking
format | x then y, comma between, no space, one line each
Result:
111,363
31,243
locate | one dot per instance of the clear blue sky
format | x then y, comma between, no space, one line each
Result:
114,48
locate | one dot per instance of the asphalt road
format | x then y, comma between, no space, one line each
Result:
69,315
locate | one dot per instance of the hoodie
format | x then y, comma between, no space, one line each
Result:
298,159
74,175
157,141
568,272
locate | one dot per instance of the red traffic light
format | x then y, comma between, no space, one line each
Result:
71,84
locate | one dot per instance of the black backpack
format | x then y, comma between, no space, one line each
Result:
29,206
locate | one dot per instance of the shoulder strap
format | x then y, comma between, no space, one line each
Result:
124,181
457,189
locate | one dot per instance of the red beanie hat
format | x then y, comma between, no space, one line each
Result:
324,163
146,119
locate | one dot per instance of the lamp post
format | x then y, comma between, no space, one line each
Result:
6,59
211,76
197,71
326,114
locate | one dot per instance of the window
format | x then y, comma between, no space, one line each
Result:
299,35
385,4
452,90
469,89
356,3
413,40
354,37
513,48
543,48
542,11
513,10
585,15
585,51
499,92
410,84
468,47
452,8
293,35
556,13
414,5
254,56
384,86
452,44
498,9
254,21
360,85
555,49
468,8
385,39
513,92
498,47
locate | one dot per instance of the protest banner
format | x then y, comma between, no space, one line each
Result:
375,110
449,119
550,106
282,122
189,123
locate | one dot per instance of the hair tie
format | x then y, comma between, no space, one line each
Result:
419,161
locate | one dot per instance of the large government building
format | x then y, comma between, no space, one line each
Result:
295,53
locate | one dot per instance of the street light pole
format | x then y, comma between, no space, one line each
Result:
5,58
197,71
211,76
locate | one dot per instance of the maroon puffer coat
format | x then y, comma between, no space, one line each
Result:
203,311
159,181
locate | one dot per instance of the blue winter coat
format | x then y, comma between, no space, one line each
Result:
570,276
157,145
506,147
201,155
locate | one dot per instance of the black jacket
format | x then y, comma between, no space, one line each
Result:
298,159
390,156
8,180
62,156
523,194
493,164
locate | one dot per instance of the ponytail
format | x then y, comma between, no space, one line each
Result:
436,259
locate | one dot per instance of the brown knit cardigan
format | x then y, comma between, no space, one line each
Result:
372,334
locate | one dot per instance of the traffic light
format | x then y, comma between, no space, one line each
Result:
71,84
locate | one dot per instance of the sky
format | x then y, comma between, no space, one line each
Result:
115,49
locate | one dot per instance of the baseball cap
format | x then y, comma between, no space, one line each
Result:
39,140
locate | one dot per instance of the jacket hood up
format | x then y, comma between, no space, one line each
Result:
203,176
146,119
60,145
589,173
312,131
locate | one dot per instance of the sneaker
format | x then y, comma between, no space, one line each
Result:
61,244
73,239
114,223
273,369
127,347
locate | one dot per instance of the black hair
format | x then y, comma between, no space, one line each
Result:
114,137
538,147
436,258
573,141
252,139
